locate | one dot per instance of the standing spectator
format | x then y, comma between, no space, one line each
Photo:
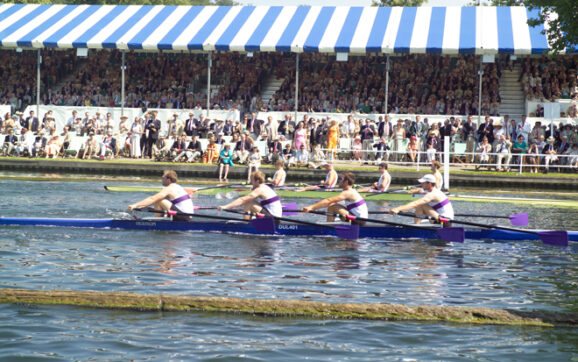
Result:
153,127
225,161
367,133
533,158
136,132
397,137
191,125
333,136
31,123
300,136
486,129
254,162
523,128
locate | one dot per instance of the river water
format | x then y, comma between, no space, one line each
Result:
517,275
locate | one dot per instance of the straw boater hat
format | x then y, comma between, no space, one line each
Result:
123,117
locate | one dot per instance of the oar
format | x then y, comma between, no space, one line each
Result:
263,225
447,234
517,219
389,191
350,232
554,237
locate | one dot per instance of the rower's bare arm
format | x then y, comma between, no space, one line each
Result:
190,190
325,202
149,200
241,200
412,205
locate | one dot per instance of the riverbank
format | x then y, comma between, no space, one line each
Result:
459,176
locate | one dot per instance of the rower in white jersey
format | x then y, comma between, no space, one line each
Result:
354,203
434,204
269,203
330,180
172,197
278,179
382,184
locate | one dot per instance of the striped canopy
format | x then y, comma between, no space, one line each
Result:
327,29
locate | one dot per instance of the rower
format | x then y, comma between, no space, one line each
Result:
382,184
270,203
435,169
173,197
354,203
330,179
278,179
434,204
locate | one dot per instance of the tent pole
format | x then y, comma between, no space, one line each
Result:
122,68
385,103
481,73
209,65
38,62
296,87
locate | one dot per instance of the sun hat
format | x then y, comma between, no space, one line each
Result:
428,178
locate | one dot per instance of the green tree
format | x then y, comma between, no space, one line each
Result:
399,2
562,16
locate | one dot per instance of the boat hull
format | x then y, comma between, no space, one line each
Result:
241,227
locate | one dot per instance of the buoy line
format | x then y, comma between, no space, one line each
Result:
287,308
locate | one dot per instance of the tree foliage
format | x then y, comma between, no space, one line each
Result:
562,17
399,2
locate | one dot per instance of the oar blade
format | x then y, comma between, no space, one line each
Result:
456,235
264,225
557,238
290,208
519,219
350,232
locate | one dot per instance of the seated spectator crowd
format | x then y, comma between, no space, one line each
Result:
310,142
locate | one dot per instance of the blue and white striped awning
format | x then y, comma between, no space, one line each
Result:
327,29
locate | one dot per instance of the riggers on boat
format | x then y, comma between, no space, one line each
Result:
281,229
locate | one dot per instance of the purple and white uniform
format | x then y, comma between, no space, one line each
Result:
443,208
357,208
272,203
183,203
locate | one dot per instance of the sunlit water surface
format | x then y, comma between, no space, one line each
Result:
517,275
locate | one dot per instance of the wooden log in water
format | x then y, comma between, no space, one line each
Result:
287,308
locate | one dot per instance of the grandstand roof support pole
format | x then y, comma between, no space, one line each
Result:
39,61
481,73
385,103
209,65
296,86
122,69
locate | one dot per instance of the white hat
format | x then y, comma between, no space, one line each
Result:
325,164
428,178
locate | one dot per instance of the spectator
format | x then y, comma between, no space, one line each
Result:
225,161
483,152
550,153
254,162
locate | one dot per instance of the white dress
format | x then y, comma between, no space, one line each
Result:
136,130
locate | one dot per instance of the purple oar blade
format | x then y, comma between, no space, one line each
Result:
264,225
290,206
350,232
557,238
457,235
519,219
